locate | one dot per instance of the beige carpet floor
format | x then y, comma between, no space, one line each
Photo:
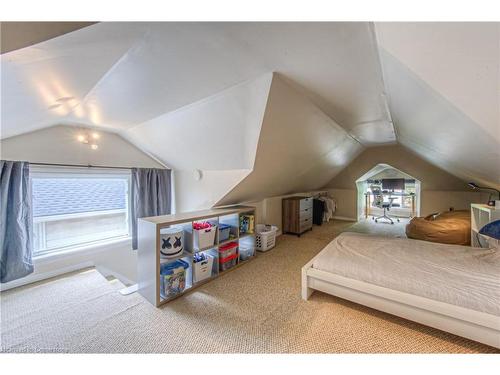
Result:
255,309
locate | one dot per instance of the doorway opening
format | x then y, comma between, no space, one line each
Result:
389,185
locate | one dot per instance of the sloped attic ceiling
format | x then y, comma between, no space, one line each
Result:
443,84
118,75
441,81
300,148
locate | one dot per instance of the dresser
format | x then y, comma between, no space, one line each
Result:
297,214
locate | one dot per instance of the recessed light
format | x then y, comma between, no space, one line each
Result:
95,135
94,147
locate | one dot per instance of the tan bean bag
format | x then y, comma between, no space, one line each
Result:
452,227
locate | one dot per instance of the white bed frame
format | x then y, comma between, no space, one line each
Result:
474,325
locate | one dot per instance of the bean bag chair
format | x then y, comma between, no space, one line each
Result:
452,227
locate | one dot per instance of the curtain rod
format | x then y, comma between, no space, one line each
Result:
80,165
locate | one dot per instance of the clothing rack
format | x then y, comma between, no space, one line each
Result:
321,194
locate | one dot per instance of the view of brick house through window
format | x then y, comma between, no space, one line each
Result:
77,211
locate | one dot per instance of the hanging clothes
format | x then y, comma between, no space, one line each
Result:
331,206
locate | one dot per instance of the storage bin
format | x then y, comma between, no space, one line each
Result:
204,238
227,263
265,237
228,256
171,242
224,232
246,251
228,249
202,270
173,278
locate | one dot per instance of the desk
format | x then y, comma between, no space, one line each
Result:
368,202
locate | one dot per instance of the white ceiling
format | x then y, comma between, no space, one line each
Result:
443,84
122,74
218,133
438,82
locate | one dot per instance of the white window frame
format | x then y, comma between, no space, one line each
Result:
37,171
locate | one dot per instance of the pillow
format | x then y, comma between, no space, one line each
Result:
489,235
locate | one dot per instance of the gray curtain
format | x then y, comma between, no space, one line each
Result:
16,221
151,195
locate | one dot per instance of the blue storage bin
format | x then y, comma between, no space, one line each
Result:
224,232
173,278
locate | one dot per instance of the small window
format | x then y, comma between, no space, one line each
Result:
76,207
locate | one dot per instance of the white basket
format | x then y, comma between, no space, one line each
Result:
204,238
203,270
265,237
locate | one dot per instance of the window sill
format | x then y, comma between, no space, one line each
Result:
85,249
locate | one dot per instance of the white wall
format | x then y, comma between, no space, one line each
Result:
300,148
59,145
217,136
192,194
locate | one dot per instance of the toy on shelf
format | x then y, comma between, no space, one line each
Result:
172,242
247,224
173,278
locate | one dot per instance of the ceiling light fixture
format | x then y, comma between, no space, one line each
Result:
85,137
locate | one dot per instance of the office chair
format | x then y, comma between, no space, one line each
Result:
378,201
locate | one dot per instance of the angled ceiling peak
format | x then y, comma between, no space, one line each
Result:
300,148
443,84
119,75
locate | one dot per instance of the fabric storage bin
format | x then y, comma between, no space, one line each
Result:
173,278
224,232
205,237
202,270
171,242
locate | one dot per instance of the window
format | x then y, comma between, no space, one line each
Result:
76,207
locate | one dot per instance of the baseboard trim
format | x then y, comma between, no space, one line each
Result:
344,218
30,279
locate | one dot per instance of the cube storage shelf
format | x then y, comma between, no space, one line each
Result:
150,263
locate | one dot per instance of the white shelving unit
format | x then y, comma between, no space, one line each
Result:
481,214
149,260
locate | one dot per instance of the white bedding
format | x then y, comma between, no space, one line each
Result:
459,275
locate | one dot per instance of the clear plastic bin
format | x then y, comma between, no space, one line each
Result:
227,263
228,256
173,278
224,232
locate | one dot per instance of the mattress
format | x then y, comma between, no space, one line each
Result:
459,275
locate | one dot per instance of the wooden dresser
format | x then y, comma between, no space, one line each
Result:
297,214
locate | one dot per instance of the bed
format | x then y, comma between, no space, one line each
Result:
449,287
